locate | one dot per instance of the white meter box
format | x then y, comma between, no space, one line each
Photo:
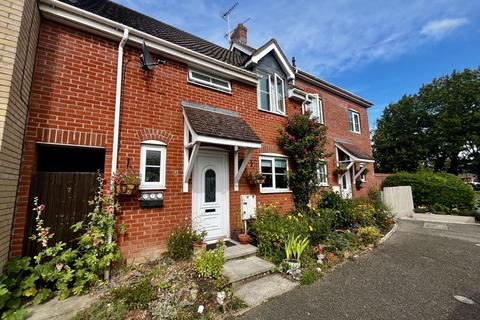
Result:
248,206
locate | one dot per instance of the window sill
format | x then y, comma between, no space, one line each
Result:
271,112
274,191
151,188
355,132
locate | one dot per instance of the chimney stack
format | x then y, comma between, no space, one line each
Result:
239,35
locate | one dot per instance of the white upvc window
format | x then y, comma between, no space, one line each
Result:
275,171
153,155
322,174
271,93
315,106
204,79
354,121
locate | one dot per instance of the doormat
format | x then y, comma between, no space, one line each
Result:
227,243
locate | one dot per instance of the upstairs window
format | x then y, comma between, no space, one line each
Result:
153,156
354,121
315,107
275,171
210,81
322,175
271,93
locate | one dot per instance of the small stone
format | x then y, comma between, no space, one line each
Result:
221,297
464,300
200,309
319,270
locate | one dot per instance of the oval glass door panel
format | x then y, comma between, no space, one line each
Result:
210,186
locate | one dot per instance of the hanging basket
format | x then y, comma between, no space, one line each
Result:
340,170
255,178
126,189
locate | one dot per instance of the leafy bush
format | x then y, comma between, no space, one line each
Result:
294,247
309,276
343,217
369,234
322,224
209,264
180,243
339,242
135,296
431,189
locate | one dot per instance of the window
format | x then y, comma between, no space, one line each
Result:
322,174
275,171
354,121
315,107
210,186
271,93
204,79
152,165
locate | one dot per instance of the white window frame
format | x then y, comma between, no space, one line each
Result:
272,159
319,116
355,126
191,78
155,146
273,94
259,93
323,183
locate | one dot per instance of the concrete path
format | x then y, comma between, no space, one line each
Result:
410,276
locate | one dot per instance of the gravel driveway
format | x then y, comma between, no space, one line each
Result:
411,276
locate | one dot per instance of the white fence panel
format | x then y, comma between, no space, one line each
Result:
399,199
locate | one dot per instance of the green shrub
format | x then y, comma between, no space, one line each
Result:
343,217
339,242
209,264
309,276
104,309
180,243
429,188
135,296
295,246
321,222
369,234
363,212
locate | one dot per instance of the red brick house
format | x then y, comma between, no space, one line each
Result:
194,127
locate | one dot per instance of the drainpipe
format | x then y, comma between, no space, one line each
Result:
118,102
116,125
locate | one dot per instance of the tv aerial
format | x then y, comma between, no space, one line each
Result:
226,16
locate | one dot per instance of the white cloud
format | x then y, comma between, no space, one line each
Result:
439,28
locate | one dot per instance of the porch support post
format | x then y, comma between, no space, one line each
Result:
238,172
359,172
189,166
189,156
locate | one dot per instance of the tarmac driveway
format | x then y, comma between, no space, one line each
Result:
411,276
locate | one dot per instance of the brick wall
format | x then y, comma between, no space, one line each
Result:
335,114
73,96
19,25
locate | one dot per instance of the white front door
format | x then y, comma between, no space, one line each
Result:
210,206
346,185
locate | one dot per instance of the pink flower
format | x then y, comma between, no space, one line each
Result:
305,151
45,232
59,266
41,207
111,210
292,138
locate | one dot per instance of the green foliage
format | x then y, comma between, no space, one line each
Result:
343,209
295,246
429,189
180,244
135,296
309,276
104,310
363,212
303,141
438,128
209,264
369,235
339,242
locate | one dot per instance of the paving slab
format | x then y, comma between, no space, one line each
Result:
241,269
258,291
239,250
55,309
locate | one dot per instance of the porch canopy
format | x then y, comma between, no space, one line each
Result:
354,155
211,125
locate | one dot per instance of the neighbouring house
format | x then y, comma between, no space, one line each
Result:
196,120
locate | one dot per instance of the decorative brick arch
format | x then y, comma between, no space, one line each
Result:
154,134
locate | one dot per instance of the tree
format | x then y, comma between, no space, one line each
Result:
439,127
303,140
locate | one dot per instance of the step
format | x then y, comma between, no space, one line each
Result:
244,268
258,291
443,218
239,251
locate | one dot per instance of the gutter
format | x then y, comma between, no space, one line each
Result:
118,101
73,16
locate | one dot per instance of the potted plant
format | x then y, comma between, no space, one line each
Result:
340,169
237,230
244,238
358,184
255,178
294,248
126,183
197,239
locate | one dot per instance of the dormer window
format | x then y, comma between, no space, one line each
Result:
271,93
207,80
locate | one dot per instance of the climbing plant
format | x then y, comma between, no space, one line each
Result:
303,140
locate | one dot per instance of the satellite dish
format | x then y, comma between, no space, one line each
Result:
146,60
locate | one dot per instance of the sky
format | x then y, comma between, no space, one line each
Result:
379,50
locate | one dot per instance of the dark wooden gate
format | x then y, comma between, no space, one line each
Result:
66,196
